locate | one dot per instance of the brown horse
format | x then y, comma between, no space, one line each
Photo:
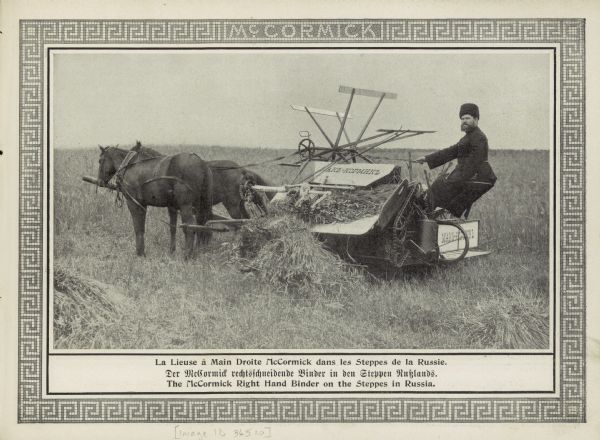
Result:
228,181
179,182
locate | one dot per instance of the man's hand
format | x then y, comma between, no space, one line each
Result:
421,159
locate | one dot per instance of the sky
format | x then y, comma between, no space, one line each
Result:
242,98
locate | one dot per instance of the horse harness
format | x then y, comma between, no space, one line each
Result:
163,163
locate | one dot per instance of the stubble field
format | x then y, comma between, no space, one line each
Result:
501,301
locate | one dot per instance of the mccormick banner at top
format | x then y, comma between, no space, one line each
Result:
343,30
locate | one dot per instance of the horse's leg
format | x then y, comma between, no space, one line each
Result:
138,216
202,216
173,227
187,217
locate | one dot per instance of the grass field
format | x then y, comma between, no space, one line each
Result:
498,301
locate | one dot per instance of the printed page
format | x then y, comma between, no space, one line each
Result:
326,220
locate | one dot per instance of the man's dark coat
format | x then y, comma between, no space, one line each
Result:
471,178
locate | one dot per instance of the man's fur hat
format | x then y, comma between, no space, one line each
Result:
469,109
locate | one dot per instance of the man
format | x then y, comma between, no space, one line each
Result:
472,177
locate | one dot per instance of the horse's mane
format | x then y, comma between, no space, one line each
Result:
146,151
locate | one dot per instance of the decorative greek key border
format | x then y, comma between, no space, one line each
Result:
568,34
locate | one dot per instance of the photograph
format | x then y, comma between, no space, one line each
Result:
302,198
225,224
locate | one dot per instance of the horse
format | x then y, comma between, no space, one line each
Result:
229,182
229,179
181,182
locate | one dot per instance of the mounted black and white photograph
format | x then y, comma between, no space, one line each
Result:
232,226
302,198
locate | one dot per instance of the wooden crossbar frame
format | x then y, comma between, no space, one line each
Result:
319,111
384,136
367,92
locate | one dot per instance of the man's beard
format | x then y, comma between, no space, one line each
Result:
466,128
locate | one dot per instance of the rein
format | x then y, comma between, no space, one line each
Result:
254,164
127,162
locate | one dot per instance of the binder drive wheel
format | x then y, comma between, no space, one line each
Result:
405,247
451,259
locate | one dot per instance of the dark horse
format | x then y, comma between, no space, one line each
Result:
179,182
228,181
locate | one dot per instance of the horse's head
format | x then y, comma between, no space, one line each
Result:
107,166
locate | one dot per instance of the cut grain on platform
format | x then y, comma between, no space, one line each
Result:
341,206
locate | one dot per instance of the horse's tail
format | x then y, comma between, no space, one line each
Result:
207,183
210,186
204,189
198,176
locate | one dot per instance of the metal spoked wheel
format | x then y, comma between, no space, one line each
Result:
459,255
306,148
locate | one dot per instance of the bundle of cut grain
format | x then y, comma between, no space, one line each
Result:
515,321
257,232
282,251
83,308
